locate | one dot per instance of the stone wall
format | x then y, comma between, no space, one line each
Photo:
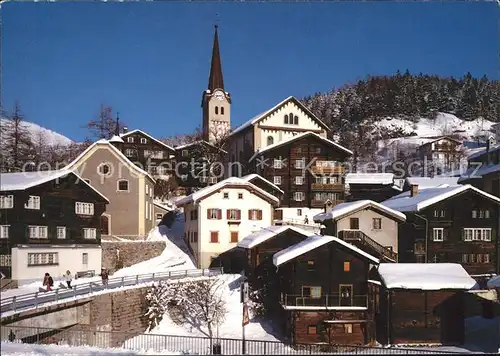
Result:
117,254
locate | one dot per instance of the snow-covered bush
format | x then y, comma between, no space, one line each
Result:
156,300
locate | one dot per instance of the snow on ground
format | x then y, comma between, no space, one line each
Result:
18,349
50,137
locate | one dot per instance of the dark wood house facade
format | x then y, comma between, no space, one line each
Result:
45,217
308,168
457,224
324,292
371,186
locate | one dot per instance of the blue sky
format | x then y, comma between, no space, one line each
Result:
150,60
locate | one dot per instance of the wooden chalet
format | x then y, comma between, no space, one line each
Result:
484,170
367,224
49,222
443,151
420,303
372,186
324,292
264,184
454,224
307,167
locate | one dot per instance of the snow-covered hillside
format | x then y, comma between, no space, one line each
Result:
49,137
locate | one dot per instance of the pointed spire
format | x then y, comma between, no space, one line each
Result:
216,81
117,127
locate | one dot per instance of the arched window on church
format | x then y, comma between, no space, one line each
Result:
222,110
290,119
286,119
216,110
296,120
270,140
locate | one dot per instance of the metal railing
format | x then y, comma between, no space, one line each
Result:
188,344
325,300
36,299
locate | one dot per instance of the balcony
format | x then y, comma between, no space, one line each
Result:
327,300
328,187
360,239
340,170
321,203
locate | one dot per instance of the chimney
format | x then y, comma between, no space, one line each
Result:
414,190
125,129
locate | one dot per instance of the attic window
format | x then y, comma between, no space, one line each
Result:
143,140
105,169
130,139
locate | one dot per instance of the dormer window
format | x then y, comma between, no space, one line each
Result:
130,139
143,140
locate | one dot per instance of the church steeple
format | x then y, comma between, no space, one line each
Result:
117,127
216,80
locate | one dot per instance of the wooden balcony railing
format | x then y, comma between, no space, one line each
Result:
358,237
328,187
328,170
325,300
321,203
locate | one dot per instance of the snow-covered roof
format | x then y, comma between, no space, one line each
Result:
313,242
474,173
25,180
148,136
258,237
250,177
298,137
231,181
344,209
119,154
260,116
427,197
162,205
483,151
438,138
432,182
369,178
494,282
425,276
116,138
197,142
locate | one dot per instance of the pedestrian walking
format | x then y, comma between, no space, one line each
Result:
68,277
306,220
104,276
48,282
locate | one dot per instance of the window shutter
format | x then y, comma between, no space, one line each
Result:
249,214
238,214
228,214
259,214
219,214
208,213
445,234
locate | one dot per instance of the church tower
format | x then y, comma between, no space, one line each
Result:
216,102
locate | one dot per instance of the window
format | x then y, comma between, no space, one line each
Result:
474,214
311,292
240,195
143,140
226,195
277,180
4,231
354,223
61,232
298,196
105,169
85,258
270,140
6,202
318,150
347,266
299,180
43,259
159,216
216,110
348,328
146,207
312,330
222,110
212,180
254,214
234,236
486,258
214,214
437,234
286,119
33,202
299,163
130,152
377,223
295,120
185,153
483,234
310,266
84,208
37,232
195,236
299,212
193,214
214,236
439,213
233,214
123,186
5,260
89,234
486,214
130,139
278,163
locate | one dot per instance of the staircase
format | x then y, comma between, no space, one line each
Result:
364,242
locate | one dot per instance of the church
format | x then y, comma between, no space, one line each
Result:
286,144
